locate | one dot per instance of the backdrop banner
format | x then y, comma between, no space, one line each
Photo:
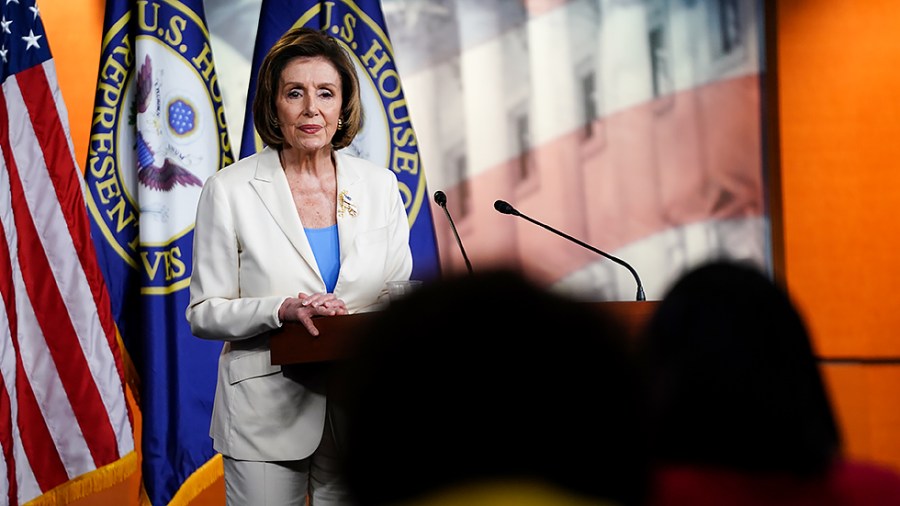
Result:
158,132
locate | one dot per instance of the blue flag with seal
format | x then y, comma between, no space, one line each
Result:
158,132
387,137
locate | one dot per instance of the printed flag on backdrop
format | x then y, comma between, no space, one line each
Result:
158,133
387,137
63,408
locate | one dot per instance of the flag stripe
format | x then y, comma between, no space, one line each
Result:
79,227
8,352
36,440
92,322
6,414
82,282
52,315
6,442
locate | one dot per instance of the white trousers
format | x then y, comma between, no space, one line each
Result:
287,483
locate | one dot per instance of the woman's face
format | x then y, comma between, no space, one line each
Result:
309,103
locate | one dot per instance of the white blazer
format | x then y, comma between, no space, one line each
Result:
250,254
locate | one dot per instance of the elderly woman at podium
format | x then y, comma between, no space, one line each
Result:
297,231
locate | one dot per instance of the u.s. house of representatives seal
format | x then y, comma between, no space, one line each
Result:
158,133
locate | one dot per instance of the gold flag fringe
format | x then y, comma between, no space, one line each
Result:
200,480
90,483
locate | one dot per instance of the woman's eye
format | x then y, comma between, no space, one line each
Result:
293,94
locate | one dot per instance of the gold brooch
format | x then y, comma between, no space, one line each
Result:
346,205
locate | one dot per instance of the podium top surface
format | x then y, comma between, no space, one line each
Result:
292,344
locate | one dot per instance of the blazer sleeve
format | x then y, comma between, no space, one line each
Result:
216,309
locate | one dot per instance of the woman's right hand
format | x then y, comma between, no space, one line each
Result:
304,307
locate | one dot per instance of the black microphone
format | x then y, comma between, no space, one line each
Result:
505,208
441,199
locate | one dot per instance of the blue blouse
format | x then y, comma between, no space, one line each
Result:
327,250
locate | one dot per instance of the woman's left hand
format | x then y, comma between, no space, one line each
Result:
323,301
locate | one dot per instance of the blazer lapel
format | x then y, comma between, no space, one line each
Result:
348,219
272,188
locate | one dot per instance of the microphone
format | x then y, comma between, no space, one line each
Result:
505,208
441,199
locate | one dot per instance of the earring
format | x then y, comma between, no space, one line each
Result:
340,124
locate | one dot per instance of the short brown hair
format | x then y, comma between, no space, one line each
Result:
305,42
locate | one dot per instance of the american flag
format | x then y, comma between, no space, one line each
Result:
63,409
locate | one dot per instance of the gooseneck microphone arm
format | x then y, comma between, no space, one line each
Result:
441,199
505,208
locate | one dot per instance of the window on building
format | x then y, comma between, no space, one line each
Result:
659,61
522,129
464,196
729,29
589,103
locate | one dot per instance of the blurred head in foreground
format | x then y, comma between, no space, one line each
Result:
735,382
491,380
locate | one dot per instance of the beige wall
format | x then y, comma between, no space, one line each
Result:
840,151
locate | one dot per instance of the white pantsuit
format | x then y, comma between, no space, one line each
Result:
250,254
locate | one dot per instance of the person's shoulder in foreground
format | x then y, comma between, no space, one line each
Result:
847,482
489,383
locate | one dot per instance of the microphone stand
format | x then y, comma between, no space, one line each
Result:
440,198
505,208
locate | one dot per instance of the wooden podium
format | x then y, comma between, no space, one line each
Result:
292,344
